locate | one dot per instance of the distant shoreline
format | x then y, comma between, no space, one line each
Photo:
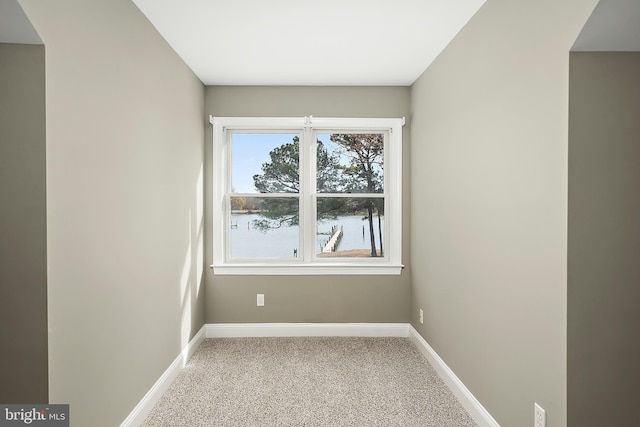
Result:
259,211
245,211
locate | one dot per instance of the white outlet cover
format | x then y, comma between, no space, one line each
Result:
540,416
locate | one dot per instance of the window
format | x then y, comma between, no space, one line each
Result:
307,195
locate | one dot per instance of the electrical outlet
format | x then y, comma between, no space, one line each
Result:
540,416
421,316
260,300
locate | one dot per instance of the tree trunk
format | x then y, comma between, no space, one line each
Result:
380,232
371,232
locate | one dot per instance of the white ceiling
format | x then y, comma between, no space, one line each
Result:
613,26
15,27
328,42
305,42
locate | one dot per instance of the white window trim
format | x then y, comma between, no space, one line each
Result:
391,264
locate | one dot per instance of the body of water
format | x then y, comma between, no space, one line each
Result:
247,242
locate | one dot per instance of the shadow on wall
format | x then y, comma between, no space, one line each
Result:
192,277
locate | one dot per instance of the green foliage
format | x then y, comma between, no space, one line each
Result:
277,212
282,173
366,161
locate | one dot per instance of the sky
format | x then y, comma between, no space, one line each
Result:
248,152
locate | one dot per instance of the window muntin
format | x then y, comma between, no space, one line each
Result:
328,183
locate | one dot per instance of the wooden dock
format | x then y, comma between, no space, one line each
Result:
334,240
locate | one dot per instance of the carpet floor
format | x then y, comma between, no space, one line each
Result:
330,381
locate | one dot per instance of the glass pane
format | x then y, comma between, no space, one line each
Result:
265,163
264,227
350,163
350,227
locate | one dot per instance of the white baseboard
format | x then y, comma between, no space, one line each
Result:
475,409
237,330
142,409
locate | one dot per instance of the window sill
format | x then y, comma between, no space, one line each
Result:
307,269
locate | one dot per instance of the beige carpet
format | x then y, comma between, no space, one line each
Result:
308,382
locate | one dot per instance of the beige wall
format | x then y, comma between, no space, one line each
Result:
604,240
23,233
489,200
125,132
308,298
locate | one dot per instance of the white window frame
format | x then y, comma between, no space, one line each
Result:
308,264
